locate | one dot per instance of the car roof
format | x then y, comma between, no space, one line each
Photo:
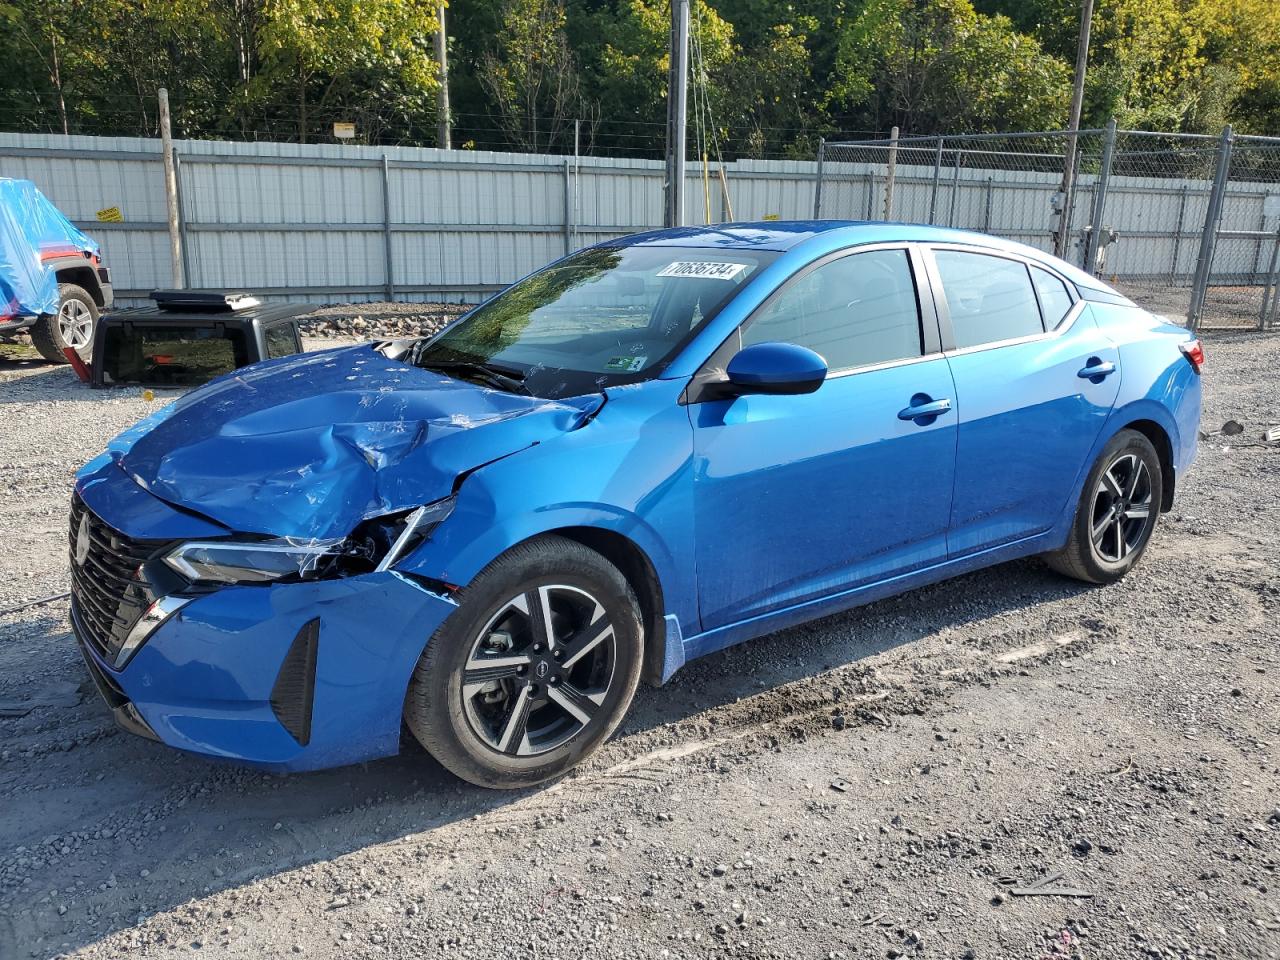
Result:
782,235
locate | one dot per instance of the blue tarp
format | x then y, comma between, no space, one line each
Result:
31,230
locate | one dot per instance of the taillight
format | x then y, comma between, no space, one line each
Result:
1194,354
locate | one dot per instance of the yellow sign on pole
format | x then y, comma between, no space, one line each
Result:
110,215
344,131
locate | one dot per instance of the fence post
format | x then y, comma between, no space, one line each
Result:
170,191
1100,199
1177,234
1209,235
888,181
386,227
182,218
955,189
568,206
937,174
817,183
1269,286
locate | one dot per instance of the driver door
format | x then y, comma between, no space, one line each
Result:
797,498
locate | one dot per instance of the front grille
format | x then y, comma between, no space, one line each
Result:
108,594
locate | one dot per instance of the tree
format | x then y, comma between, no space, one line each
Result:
532,75
380,46
939,65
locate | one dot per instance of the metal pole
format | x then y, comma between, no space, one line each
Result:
1209,235
1177,235
443,138
888,182
568,206
182,218
955,189
1063,238
817,183
386,228
170,191
1270,288
937,174
678,100
1100,197
577,176
871,192
986,216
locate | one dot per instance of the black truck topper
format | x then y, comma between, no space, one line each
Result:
191,336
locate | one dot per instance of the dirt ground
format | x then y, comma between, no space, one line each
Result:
882,783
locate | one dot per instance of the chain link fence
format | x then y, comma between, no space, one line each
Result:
1187,225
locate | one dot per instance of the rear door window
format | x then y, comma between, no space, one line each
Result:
990,298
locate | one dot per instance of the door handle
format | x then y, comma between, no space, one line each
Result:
924,409
1096,370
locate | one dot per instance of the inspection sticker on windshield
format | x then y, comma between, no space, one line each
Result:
626,364
702,268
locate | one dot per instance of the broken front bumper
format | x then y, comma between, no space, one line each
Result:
288,677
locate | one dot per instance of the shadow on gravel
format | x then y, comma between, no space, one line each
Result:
145,829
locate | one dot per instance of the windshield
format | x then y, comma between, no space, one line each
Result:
599,318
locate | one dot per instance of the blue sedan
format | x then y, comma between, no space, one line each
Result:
650,450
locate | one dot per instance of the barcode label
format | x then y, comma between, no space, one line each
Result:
702,268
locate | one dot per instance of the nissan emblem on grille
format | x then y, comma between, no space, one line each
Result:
82,541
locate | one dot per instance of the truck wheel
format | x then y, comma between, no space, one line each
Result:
72,326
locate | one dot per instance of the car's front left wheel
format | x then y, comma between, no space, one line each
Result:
72,326
534,670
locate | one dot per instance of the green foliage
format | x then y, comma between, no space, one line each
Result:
769,76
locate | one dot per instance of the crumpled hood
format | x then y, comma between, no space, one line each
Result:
310,445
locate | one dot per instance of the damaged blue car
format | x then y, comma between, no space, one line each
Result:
650,450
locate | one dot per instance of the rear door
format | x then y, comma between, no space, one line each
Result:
1035,381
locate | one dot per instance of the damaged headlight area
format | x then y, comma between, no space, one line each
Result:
375,545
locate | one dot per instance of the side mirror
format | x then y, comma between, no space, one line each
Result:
774,368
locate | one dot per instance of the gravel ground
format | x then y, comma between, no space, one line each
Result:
875,784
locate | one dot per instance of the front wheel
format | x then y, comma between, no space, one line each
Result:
534,670
1116,514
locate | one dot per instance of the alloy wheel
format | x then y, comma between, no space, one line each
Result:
75,324
1122,508
539,671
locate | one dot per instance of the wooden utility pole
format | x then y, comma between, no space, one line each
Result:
170,191
443,138
1063,239
677,112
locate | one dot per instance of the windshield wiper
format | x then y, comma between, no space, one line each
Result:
502,378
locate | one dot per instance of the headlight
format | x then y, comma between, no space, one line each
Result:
375,545
214,561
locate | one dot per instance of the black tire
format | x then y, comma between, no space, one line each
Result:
465,730
46,332
1124,538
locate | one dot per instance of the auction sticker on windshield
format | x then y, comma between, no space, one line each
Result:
702,268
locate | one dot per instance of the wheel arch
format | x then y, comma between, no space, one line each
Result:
639,571
82,275
1159,438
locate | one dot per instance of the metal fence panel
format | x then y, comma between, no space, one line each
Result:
1152,194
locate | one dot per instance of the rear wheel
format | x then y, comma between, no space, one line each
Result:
534,670
72,326
1116,514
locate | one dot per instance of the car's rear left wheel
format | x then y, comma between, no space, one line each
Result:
1116,514
534,670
